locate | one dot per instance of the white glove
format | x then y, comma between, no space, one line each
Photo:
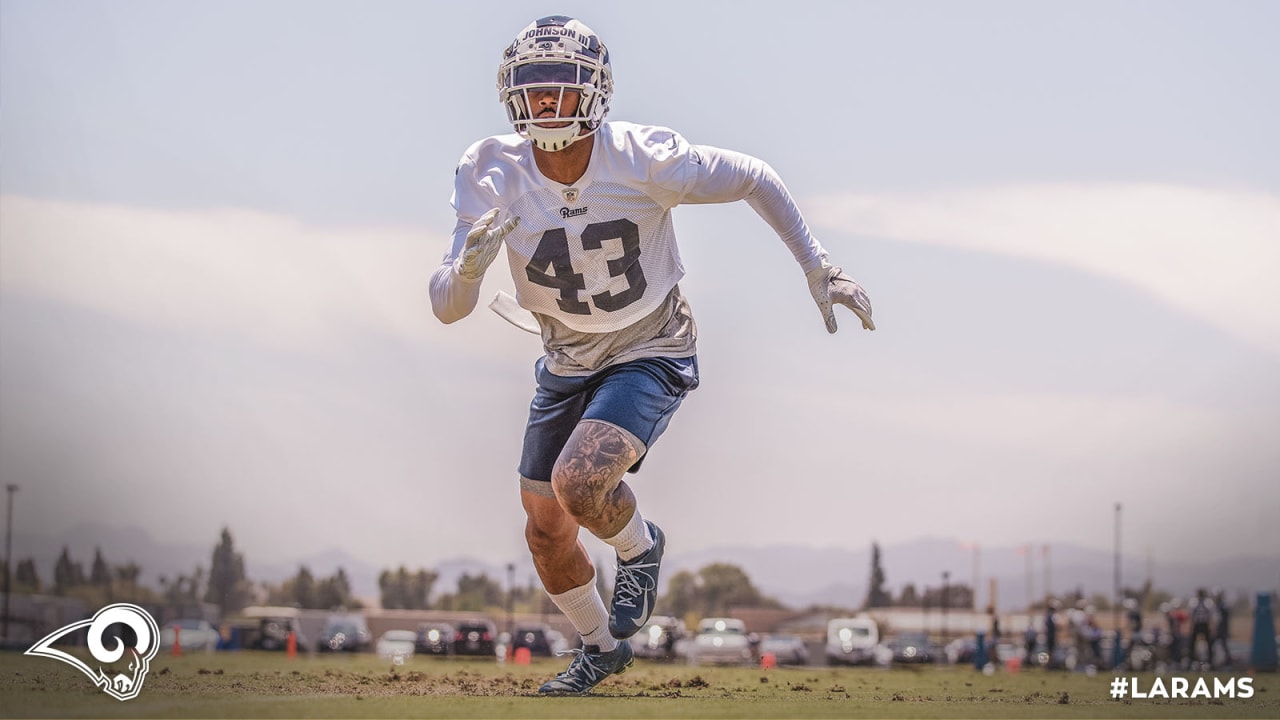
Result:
829,285
483,243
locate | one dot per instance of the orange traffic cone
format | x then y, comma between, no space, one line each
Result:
291,647
768,661
177,645
523,656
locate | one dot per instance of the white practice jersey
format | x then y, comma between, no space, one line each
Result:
601,254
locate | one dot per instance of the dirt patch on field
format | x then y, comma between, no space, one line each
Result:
330,681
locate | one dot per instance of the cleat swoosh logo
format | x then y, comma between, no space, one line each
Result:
644,612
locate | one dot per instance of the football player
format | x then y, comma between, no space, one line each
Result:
583,207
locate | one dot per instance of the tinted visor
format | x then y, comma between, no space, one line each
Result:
550,73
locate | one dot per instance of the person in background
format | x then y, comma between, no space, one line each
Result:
1202,612
1222,631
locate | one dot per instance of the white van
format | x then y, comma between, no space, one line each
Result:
852,640
721,640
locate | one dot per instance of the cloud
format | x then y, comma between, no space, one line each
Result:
229,271
1210,253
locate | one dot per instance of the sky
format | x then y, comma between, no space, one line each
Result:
217,221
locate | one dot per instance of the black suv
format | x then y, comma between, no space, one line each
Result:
345,633
273,634
475,637
535,637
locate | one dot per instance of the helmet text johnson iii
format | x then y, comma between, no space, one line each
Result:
561,55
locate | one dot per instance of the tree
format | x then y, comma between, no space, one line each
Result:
877,596
128,574
306,591
475,592
682,594
66,573
726,586
182,593
712,591
101,573
126,583
304,588
529,598
958,595
403,590
909,597
423,582
228,587
26,579
335,591
393,588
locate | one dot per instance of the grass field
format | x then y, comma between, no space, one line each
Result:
267,685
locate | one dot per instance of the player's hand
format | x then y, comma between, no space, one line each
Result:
830,286
483,243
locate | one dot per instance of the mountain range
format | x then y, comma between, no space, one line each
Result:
797,575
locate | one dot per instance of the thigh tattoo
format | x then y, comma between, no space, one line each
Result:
592,465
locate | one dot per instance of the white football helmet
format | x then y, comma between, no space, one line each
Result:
560,54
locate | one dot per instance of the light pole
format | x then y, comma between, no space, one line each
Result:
1116,599
973,604
511,598
8,562
1047,592
946,578
1031,595
973,598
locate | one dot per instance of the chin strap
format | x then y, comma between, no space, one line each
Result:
556,139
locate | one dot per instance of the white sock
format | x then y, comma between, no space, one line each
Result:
587,613
634,540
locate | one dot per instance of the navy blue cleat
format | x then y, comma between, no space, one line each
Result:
635,588
589,667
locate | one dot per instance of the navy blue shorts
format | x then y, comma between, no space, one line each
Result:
639,396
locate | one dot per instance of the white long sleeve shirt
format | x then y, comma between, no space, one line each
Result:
600,256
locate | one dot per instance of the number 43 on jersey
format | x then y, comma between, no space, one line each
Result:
552,267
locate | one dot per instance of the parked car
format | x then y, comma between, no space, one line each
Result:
274,625
721,640
961,650
658,639
345,633
786,649
912,648
852,641
192,635
435,638
540,639
397,646
475,637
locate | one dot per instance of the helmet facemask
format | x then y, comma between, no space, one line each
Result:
561,56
